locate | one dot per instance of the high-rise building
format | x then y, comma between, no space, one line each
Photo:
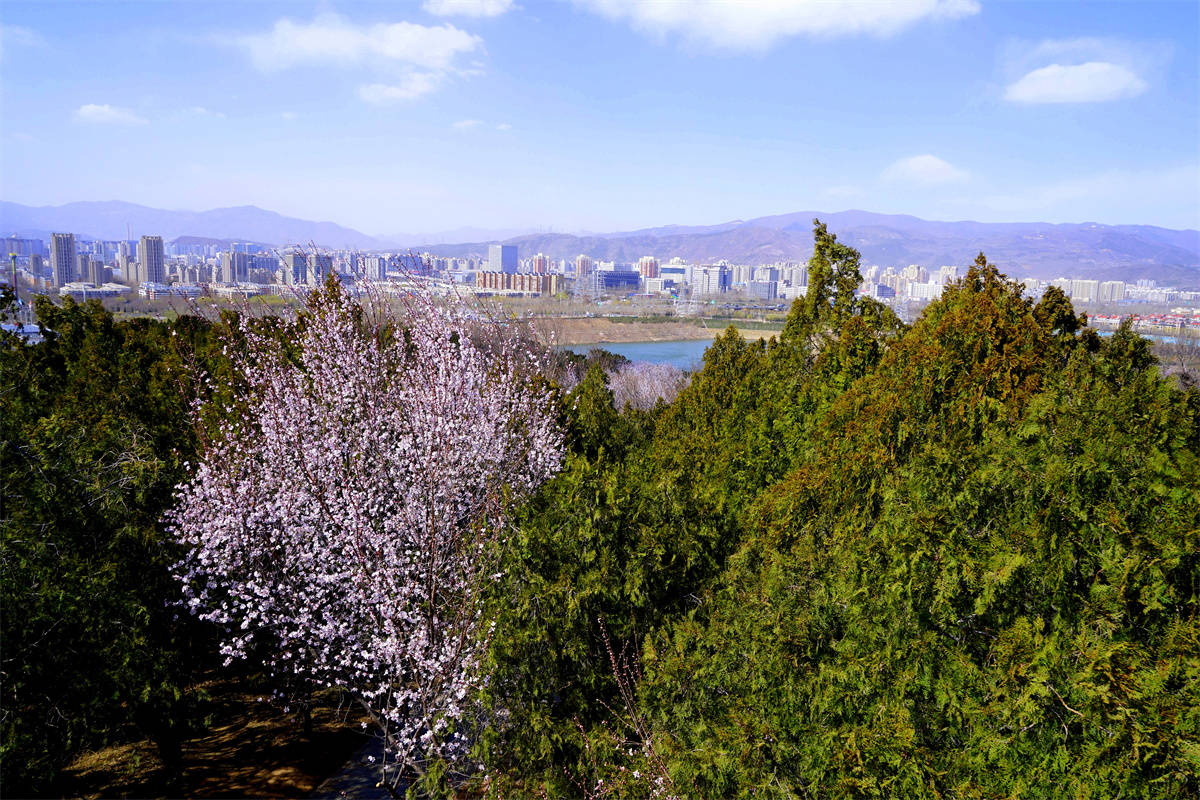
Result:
152,266
648,266
319,266
502,258
295,269
62,258
92,270
763,290
1084,290
540,265
712,279
583,266
1112,291
23,247
925,291
375,267
235,267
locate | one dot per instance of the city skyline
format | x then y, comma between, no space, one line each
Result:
424,117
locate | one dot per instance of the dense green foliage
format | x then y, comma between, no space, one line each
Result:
957,559
960,559
96,434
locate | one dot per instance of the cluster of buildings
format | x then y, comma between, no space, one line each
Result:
152,268
188,267
583,275
1090,291
913,282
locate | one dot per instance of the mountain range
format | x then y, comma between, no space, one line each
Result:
110,220
1037,249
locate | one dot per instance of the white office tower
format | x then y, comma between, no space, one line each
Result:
375,267
295,269
502,258
320,265
151,260
713,279
1112,291
1083,290
62,258
235,267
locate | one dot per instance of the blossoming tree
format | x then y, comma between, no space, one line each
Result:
344,521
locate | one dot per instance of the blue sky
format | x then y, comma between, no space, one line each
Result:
407,117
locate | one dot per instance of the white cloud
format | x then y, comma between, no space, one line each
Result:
332,39
925,170
410,87
1020,56
504,126
1092,82
288,115
759,24
1086,69
465,124
201,111
467,8
409,60
17,36
1167,196
108,115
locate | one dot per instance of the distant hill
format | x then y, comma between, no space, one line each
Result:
1038,249
467,234
108,220
209,241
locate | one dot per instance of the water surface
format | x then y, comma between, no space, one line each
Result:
687,354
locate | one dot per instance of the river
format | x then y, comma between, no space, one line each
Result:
687,354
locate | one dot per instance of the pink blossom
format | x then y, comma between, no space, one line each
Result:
350,515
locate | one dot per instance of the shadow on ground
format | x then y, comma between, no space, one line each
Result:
251,748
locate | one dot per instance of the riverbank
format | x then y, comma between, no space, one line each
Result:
599,331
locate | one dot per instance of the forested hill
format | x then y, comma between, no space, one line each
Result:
957,559
862,559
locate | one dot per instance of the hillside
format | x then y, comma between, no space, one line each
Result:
112,219
1043,250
